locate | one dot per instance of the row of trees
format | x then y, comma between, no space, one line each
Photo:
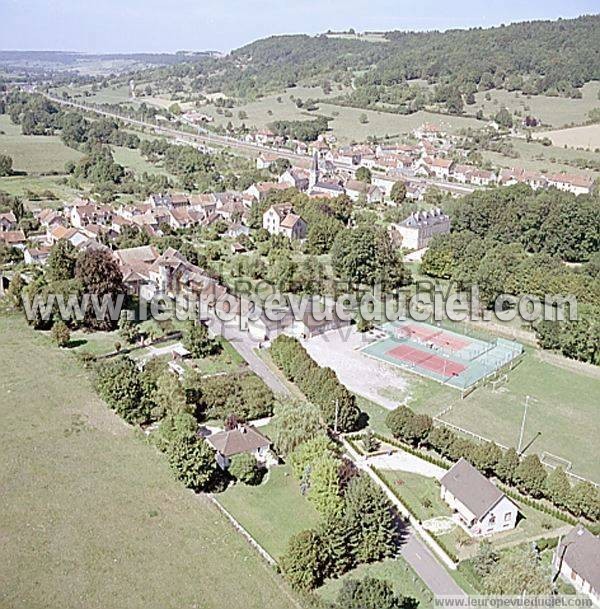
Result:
357,523
320,385
525,473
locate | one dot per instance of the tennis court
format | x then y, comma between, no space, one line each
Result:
440,354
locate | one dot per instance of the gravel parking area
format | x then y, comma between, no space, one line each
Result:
372,379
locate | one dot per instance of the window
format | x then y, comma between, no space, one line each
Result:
507,516
492,519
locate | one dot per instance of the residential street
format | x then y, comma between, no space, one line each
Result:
244,345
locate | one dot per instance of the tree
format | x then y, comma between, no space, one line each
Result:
507,466
558,488
306,454
61,334
101,277
363,174
530,476
519,571
302,564
363,119
128,329
61,261
585,501
6,164
119,385
365,256
398,193
324,491
370,520
15,291
294,423
370,593
197,340
504,118
485,457
410,427
169,396
193,461
485,559
244,468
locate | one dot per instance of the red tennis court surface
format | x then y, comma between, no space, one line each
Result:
429,361
436,337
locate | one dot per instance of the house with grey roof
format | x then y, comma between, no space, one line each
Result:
244,439
577,560
479,505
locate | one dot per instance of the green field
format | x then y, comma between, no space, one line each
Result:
547,159
587,136
132,159
554,111
563,407
34,153
33,188
396,571
271,512
91,514
345,124
564,402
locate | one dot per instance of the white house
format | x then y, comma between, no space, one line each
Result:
242,439
418,229
295,178
577,560
482,508
577,184
372,193
281,220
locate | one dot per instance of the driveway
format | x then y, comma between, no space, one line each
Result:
405,462
245,345
435,577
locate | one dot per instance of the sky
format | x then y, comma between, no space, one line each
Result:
124,26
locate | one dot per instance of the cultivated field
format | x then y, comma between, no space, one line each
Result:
554,111
587,137
34,153
90,514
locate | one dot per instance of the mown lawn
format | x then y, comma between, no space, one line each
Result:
563,407
91,515
421,494
271,512
396,571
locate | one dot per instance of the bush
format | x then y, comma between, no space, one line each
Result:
245,469
61,334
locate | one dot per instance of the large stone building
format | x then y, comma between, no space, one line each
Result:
418,229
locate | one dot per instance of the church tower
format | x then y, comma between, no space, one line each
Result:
314,171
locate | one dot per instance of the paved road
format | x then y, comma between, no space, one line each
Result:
434,575
244,345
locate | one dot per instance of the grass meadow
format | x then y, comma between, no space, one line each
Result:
34,154
553,111
91,514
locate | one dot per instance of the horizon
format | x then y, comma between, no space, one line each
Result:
127,28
